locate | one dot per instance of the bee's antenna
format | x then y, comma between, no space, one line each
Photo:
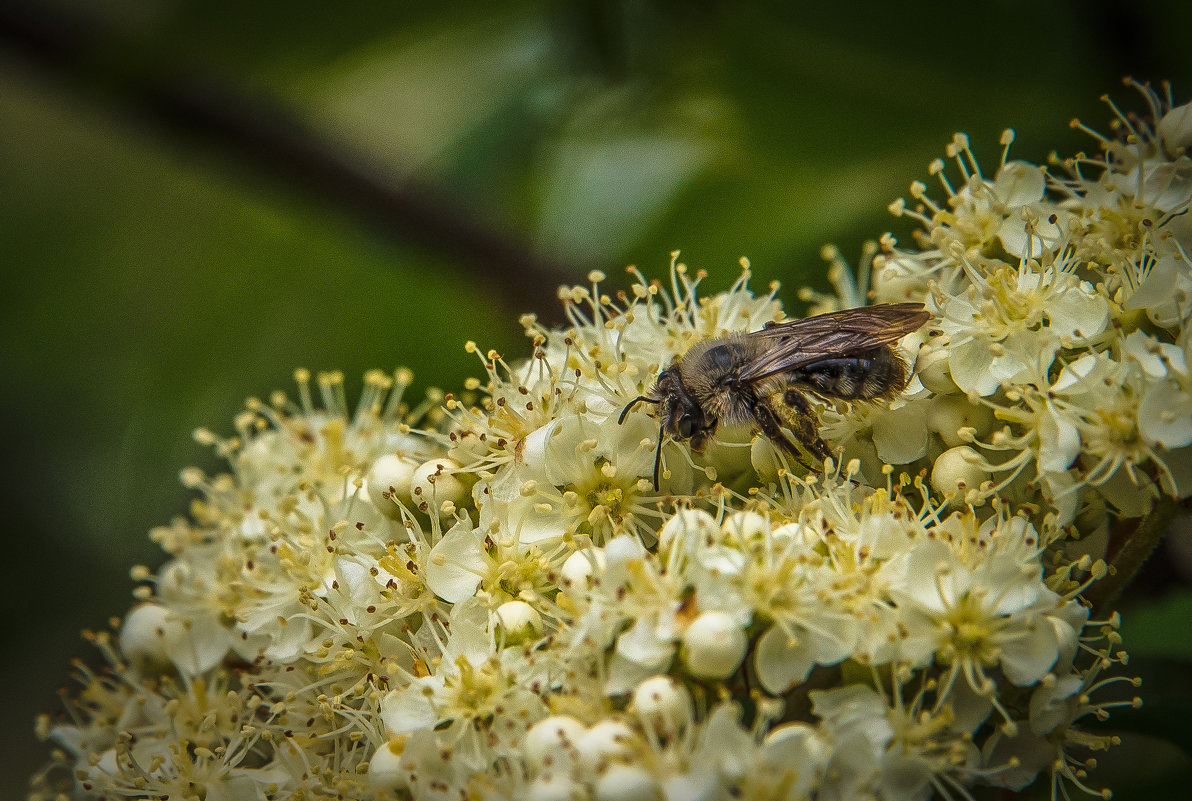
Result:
631,404
661,432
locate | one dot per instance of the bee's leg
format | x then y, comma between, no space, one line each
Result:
770,422
802,421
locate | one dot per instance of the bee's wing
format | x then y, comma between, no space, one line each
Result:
794,344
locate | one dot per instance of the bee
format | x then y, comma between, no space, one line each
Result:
763,377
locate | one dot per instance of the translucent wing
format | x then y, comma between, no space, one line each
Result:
797,343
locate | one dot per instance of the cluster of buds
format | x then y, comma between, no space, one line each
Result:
491,594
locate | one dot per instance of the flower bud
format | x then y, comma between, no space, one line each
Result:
385,772
388,480
958,470
627,783
519,622
713,646
662,704
947,414
688,527
621,553
143,637
576,573
603,742
434,483
933,370
551,742
745,527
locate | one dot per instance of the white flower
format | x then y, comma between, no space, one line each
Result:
1009,326
787,582
477,698
591,477
1165,411
998,613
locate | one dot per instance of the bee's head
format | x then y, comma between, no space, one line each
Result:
679,415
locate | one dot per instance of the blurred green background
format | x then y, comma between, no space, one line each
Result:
198,196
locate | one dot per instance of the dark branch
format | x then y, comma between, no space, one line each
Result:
260,132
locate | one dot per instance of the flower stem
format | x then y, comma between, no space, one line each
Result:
1134,548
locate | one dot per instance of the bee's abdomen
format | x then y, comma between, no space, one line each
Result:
878,373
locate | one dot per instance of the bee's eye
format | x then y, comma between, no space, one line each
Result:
686,426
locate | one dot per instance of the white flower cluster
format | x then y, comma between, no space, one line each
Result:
1063,295
487,596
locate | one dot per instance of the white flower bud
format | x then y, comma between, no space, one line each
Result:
791,738
700,784
434,484
957,470
745,526
713,646
389,472
177,580
947,414
620,554
552,787
551,742
931,366
799,533
145,631
628,783
623,549
688,526
664,705
606,741
519,621
385,772
764,458
576,573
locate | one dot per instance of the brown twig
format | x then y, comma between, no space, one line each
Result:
1131,545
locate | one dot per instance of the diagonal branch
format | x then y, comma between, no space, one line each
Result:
260,132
